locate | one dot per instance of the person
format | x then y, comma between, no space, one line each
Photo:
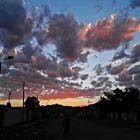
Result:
66,125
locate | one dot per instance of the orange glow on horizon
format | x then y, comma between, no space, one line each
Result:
65,102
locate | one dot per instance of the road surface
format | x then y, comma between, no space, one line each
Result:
80,130
88,130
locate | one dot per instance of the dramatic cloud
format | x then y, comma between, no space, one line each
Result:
136,80
120,55
135,4
28,51
47,48
41,16
84,77
135,54
101,81
47,88
70,93
83,57
64,63
40,62
14,23
110,32
134,70
98,69
35,83
126,67
108,84
63,72
116,67
63,30
93,82
124,78
18,59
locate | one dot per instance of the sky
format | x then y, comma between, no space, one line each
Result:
68,51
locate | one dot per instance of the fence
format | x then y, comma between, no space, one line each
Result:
11,116
129,117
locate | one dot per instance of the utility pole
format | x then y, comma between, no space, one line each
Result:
23,96
9,96
23,87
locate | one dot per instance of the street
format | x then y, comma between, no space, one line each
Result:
80,129
87,130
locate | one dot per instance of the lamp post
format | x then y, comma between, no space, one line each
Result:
2,59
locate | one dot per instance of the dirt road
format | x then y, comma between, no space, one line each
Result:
87,130
80,130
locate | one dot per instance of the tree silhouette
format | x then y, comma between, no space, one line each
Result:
133,95
119,100
8,104
132,98
32,103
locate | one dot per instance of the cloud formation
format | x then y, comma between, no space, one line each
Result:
28,34
135,4
14,23
134,56
63,31
134,70
98,69
126,68
109,33
120,55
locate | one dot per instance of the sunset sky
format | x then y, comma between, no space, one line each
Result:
68,51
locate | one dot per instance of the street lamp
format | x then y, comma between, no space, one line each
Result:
2,59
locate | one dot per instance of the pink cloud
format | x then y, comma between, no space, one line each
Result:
110,32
